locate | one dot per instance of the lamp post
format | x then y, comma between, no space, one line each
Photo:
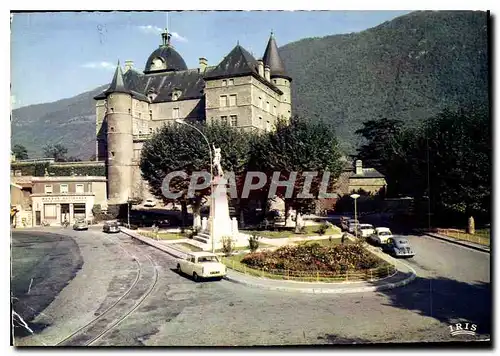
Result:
355,197
182,122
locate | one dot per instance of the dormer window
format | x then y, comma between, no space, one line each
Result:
176,94
158,64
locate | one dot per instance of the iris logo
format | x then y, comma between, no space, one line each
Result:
463,329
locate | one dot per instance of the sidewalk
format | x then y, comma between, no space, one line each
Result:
468,244
405,273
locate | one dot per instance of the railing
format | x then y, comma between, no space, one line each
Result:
462,235
313,276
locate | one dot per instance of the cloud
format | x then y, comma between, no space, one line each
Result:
149,29
100,65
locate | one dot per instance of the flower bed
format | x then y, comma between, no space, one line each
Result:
313,262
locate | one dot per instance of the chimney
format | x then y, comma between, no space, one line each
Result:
203,64
359,167
260,67
267,73
129,65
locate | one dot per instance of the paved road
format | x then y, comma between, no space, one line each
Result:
453,284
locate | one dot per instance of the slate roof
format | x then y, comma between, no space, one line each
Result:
117,84
368,173
273,60
238,62
174,60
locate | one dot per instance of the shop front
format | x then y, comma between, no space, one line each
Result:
57,209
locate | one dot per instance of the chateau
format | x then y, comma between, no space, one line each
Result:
243,92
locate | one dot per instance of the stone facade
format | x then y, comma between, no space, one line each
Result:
243,92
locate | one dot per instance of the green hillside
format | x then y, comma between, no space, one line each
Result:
409,68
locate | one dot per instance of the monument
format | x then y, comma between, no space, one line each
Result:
219,225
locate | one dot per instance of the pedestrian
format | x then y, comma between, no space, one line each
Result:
342,240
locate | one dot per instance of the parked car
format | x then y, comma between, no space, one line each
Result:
150,203
398,247
381,235
365,230
202,265
80,224
111,227
351,225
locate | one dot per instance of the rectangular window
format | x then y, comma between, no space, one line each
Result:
268,126
79,211
48,188
267,106
234,120
223,119
274,109
49,211
232,100
64,188
260,121
223,101
79,188
175,113
224,83
231,81
259,103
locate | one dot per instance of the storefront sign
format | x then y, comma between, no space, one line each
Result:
65,199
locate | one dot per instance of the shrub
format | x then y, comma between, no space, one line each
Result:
253,242
313,257
227,245
322,229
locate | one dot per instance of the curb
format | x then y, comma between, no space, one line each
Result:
335,290
456,242
168,249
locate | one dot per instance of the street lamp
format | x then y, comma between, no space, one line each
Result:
182,122
355,197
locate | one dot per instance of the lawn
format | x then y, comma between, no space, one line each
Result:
163,235
327,242
482,236
283,232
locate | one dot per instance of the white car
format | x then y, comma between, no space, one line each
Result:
202,265
365,230
381,235
150,203
351,225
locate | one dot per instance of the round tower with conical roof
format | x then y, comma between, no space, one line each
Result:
279,76
119,139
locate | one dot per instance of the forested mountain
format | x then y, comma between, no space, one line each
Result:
408,69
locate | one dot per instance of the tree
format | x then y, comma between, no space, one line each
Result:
299,146
180,148
57,151
20,151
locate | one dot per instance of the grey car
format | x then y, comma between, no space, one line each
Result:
398,247
80,224
111,227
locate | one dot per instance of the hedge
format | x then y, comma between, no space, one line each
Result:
37,169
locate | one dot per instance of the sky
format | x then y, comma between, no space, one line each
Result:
61,54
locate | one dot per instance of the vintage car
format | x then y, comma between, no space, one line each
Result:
381,235
398,247
150,203
80,224
202,265
111,227
365,230
351,225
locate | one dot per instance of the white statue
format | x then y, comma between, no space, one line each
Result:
217,165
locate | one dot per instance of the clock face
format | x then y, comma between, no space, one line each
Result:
158,64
